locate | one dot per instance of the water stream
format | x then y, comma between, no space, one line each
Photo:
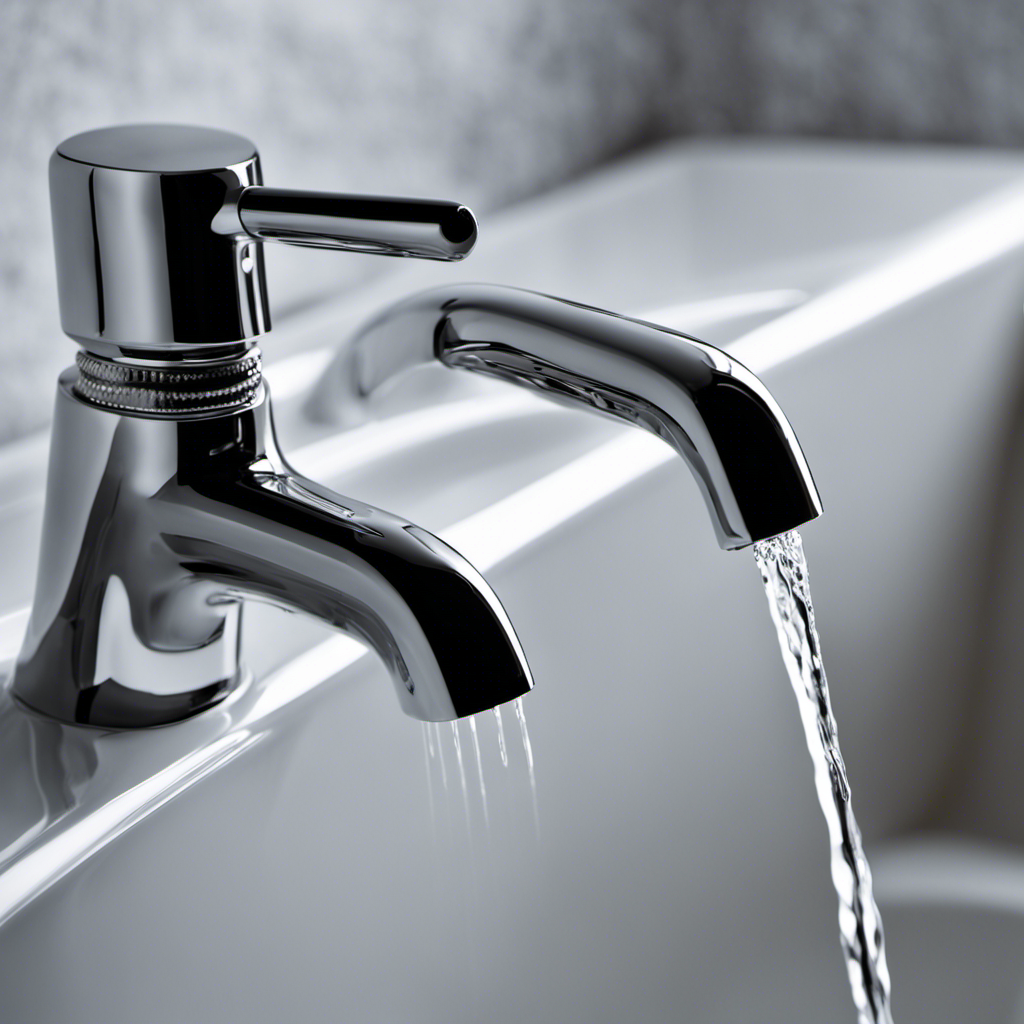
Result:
462,777
479,770
428,755
501,737
784,573
528,750
440,755
463,758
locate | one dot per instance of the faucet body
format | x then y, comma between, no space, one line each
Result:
711,409
156,531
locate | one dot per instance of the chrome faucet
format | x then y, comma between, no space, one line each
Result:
168,502
710,408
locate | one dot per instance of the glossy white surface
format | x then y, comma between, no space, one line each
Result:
955,928
278,859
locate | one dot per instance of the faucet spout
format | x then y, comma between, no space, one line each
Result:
423,608
710,408
162,528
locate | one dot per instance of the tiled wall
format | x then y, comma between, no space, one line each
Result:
481,100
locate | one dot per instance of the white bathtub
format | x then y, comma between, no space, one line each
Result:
290,856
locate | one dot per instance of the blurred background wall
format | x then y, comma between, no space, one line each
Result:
486,101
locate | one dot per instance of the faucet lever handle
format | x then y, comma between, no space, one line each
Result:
158,231
391,226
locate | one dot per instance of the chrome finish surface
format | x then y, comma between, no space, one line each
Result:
158,231
138,266
155,533
424,228
713,411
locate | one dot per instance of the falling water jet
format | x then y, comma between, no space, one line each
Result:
440,756
462,774
528,748
469,824
428,755
521,715
501,737
479,770
784,574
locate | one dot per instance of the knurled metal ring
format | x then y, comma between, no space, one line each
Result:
167,390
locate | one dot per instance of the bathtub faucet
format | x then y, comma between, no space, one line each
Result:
169,504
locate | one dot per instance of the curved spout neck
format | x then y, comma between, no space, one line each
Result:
711,409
